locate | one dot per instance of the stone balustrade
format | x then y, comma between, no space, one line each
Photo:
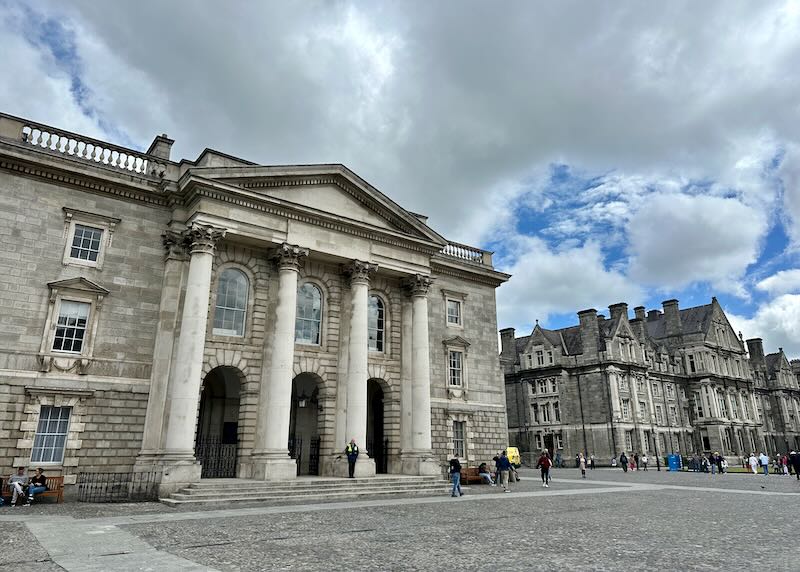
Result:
71,144
467,253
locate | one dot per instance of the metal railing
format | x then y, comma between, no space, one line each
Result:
135,486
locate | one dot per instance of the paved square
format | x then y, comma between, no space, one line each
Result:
610,521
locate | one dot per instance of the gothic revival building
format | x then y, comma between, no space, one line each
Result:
221,318
671,381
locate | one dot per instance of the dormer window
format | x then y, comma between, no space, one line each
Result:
549,357
539,357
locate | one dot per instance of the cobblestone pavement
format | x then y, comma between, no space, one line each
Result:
609,521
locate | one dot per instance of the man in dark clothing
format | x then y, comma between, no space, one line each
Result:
352,455
636,460
794,459
623,460
455,477
544,463
503,467
37,486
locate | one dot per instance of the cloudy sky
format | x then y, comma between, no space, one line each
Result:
605,151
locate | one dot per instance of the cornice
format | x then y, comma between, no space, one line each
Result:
55,174
470,272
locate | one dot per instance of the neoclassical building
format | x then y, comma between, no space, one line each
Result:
670,380
217,317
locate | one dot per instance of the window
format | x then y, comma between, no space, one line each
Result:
375,321
535,413
529,360
86,243
642,409
623,384
454,312
459,432
745,406
51,435
640,385
673,415
656,389
309,315
629,440
556,412
626,408
559,441
545,410
71,326
542,383
662,439
697,403
532,385
659,415
231,308
455,368
692,366
553,385
539,357
670,390
549,357
538,441
723,411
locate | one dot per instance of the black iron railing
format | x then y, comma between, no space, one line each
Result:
118,487
217,457
313,457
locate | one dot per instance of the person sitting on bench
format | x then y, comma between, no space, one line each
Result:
483,472
17,483
37,485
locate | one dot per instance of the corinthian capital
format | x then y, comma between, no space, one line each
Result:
359,271
175,244
418,284
289,256
203,238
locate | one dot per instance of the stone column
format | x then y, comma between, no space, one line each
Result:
613,390
271,459
185,379
358,273
420,460
406,375
153,438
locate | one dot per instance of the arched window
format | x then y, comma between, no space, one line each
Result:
231,309
375,324
309,314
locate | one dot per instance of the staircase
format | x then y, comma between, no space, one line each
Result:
303,490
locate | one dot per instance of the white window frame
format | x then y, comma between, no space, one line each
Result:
50,434
544,410
382,330
659,411
626,409
301,341
460,444
456,344
642,409
244,311
541,386
105,224
539,357
458,297
83,338
451,370
629,441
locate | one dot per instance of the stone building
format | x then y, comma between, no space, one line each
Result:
221,317
677,380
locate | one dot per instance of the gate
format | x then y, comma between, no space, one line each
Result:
313,457
217,458
296,451
380,455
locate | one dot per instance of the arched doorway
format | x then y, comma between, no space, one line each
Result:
304,437
377,441
217,444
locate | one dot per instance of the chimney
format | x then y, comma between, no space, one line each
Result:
639,311
161,146
617,310
508,349
755,348
589,332
653,315
673,317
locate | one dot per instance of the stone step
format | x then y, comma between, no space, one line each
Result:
311,491
321,482
248,487
297,498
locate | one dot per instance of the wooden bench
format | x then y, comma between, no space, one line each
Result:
55,488
470,475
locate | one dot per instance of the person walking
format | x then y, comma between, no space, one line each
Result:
623,460
455,477
582,465
794,459
544,463
591,461
644,460
352,455
752,460
503,467
764,462
636,460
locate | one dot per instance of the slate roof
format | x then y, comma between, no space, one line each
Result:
693,320
773,362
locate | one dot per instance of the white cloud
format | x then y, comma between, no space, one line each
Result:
777,322
548,282
679,239
782,282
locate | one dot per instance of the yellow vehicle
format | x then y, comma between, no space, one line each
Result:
513,457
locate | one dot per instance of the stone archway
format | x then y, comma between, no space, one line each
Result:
217,442
377,437
304,423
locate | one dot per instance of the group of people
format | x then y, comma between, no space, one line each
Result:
25,487
635,462
786,464
504,473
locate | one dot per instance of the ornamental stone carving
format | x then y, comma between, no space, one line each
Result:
203,238
289,256
418,284
359,271
175,244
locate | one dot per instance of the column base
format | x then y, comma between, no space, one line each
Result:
273,466
365,467
420,463
172,475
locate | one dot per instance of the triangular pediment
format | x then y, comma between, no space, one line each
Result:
328,189
622,329
78,283
456,341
